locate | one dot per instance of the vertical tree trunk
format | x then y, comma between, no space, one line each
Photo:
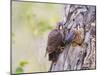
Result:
78,57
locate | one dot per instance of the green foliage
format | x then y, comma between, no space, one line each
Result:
23,63
19,70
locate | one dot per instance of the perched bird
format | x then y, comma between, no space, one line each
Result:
54,43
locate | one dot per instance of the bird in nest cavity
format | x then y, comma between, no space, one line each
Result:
75,36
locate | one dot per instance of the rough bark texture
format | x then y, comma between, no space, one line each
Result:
79,56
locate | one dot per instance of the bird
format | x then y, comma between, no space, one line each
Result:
79,36
55,42
69,37
75,36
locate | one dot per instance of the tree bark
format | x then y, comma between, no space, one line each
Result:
78,57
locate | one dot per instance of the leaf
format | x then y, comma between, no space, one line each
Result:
19,70
23,63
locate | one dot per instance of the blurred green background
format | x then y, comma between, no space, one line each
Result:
31,23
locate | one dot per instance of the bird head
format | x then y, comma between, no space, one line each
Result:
59,25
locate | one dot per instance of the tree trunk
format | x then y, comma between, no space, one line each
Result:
80,56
